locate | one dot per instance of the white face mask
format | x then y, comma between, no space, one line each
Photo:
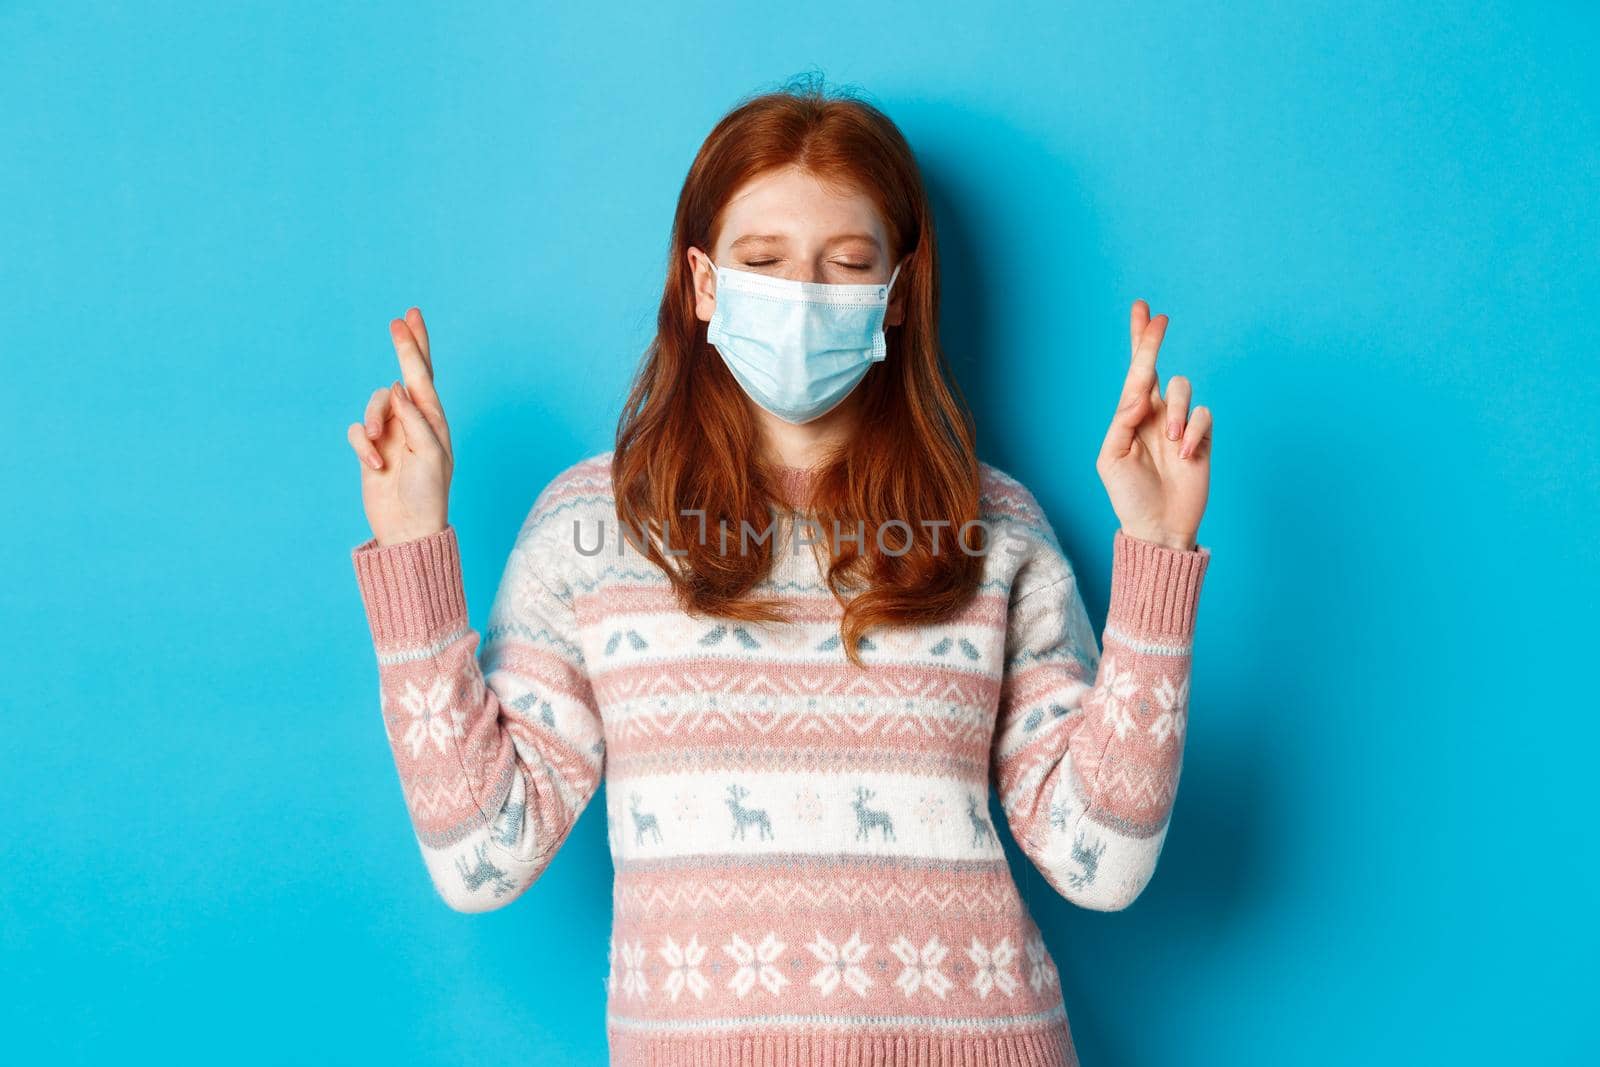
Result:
798,348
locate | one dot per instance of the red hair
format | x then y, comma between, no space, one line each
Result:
687,439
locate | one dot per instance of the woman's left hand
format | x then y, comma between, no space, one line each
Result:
1156,460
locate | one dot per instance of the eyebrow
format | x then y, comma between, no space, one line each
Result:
764,238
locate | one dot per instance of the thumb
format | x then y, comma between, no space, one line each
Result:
1130,413
419,434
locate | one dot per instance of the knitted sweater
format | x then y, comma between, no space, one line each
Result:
805,871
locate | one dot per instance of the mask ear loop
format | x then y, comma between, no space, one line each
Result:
880,344
887,289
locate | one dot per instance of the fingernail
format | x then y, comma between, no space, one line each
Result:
1183,453
1172,431
375,463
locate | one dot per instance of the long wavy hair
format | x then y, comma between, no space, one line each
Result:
687,439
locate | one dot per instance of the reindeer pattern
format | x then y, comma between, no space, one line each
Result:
981,830
869,819
1085,853
874,818
1088,857
509,825
743,816
643,822
481,871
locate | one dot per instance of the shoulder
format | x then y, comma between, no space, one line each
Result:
568,510
1020,529
1003,500
575,487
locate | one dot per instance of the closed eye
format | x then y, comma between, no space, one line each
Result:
772,262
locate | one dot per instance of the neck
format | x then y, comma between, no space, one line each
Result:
794,485
809,444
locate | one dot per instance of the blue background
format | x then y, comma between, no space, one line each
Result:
1375,233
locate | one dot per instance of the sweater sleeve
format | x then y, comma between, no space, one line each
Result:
498,752
1087,748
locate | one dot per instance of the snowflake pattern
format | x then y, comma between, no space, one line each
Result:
758,964
993,967
432,717
685,807
808,805
633,984
1174,704
1114,694
684,961
921,969
1041,972
930,809
997,968
840,963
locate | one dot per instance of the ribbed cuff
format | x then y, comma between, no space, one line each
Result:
412,590
1154,589
1052,1047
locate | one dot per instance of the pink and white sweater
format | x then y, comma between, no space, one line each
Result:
805,870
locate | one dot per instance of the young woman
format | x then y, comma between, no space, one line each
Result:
797,627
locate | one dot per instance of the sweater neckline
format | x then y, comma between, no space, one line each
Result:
795,483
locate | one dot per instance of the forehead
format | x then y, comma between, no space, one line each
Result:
793,203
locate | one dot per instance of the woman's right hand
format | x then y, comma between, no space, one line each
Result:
403,444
